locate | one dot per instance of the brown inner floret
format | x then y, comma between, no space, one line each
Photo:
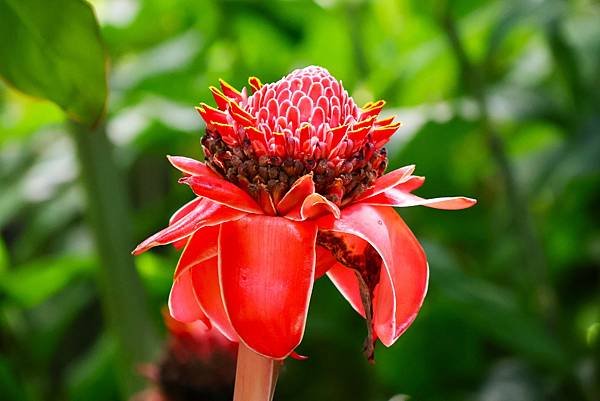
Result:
274,175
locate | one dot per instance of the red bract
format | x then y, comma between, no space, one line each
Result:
292,188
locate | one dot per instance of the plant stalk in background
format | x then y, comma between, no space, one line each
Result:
123,297
57,53
533,254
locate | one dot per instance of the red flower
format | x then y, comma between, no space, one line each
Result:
293,188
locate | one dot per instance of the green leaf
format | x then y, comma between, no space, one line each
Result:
32,284
54,326
10,387
4,257
55,52
92,378
156,273
493,309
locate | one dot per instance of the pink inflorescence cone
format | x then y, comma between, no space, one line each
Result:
306,122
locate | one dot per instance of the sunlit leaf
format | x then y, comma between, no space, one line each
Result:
55,52
156,273
25,115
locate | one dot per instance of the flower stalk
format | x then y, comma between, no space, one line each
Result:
255,376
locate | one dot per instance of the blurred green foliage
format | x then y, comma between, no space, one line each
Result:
500,101
55,54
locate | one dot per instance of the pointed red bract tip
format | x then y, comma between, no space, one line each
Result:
298,357
303,107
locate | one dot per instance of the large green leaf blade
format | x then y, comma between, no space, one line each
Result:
54,51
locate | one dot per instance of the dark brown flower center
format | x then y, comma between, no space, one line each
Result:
340,183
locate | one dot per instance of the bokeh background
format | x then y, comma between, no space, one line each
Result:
499,101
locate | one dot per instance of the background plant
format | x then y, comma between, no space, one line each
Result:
499,100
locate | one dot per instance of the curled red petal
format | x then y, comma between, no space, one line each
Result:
223,192
387,181
184,210
240,115
255,84
220,98
347,284
191,166
301,188
397,197
412,183
298,357
265,201
267,268
372,109
183,304
205,279
403,280
257,139
201,245
180,243
205,213
228,133
381,135
181,329
325,260
230,91
314,205
210,115
179,214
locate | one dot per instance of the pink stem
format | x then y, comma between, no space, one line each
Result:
255,376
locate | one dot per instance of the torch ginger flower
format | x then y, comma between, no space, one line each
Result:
292,188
